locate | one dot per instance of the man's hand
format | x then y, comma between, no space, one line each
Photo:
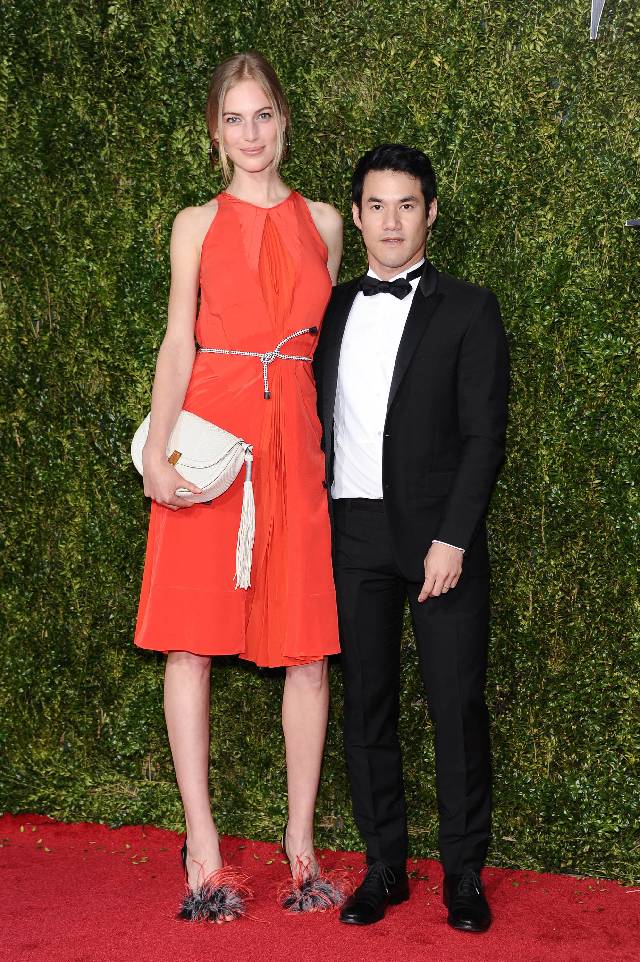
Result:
442,570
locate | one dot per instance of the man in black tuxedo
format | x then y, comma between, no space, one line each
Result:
412,371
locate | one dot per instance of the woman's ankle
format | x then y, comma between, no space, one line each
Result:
203,848
299,837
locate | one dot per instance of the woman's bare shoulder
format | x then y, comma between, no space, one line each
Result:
325,214
328,222
192,223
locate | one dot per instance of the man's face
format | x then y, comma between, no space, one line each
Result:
393,221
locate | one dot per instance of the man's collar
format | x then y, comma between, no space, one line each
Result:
404,273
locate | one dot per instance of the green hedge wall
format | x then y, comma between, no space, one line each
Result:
534,132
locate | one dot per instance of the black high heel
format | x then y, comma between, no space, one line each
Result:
302,893
220,898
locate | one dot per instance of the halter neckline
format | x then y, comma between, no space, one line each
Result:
240,200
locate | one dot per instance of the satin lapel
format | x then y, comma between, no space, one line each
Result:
332,352
425,301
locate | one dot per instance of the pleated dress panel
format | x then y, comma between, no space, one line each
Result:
263,276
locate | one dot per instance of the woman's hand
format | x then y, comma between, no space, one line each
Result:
161,481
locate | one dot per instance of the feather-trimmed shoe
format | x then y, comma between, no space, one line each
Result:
220,898
311,892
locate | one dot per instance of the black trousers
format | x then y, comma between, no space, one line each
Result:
451,632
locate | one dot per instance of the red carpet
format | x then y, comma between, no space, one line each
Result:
87,893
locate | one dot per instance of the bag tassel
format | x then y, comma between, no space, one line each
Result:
247,529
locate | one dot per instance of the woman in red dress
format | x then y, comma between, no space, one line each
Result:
262,259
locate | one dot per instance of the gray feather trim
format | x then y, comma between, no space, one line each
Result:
313,895
211,903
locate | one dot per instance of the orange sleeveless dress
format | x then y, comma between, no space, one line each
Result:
263,275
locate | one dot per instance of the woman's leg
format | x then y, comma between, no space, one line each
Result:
305,706
186,708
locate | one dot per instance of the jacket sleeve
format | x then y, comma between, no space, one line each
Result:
483,387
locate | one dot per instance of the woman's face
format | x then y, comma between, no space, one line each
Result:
249,127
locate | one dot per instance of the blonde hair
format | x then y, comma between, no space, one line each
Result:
245,66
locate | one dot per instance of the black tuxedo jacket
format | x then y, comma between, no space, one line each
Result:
444,433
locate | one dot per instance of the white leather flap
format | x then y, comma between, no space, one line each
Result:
201,452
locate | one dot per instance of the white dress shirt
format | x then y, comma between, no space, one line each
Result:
367,358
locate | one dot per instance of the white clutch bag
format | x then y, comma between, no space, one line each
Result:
210,458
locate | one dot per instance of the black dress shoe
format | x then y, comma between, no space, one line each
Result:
468,908
382,886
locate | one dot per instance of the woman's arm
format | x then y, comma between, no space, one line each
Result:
329,225
176,356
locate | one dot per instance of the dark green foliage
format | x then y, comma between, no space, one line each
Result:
533,130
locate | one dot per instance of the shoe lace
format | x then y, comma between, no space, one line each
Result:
378,872
469,884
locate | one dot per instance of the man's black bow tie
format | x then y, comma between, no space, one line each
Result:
399,288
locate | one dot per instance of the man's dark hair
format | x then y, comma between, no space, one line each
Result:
406,160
